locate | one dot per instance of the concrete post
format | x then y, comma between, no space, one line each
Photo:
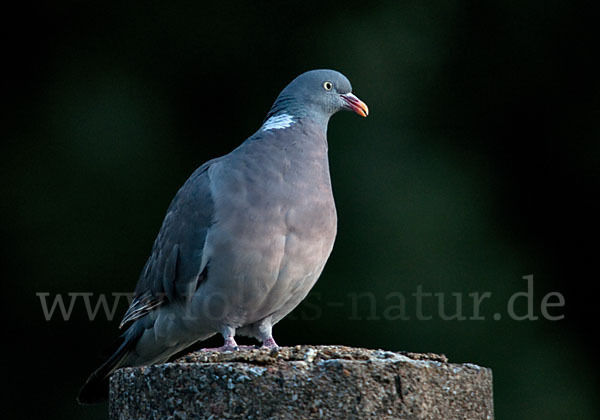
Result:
329,382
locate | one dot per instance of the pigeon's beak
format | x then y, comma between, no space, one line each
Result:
355,104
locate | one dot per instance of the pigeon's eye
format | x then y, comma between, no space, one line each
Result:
327,85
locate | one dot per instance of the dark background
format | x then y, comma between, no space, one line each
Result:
477,166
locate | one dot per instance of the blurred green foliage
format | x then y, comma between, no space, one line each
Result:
475,168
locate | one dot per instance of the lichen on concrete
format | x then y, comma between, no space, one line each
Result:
329,382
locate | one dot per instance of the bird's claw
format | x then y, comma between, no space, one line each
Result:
269,344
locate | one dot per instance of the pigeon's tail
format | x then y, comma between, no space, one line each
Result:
95,389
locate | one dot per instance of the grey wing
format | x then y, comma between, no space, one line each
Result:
176,264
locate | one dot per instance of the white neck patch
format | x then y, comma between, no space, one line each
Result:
277,122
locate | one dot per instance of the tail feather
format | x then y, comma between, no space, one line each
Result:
95,389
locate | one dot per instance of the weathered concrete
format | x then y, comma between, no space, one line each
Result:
329,382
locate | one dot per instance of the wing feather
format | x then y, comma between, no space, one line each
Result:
175,263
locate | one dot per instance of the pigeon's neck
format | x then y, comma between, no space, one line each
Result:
286,112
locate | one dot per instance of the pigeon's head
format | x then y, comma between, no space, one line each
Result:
320,94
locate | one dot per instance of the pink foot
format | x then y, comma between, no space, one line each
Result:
269,343
230,345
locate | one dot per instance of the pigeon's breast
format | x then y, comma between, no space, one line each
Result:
275,224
